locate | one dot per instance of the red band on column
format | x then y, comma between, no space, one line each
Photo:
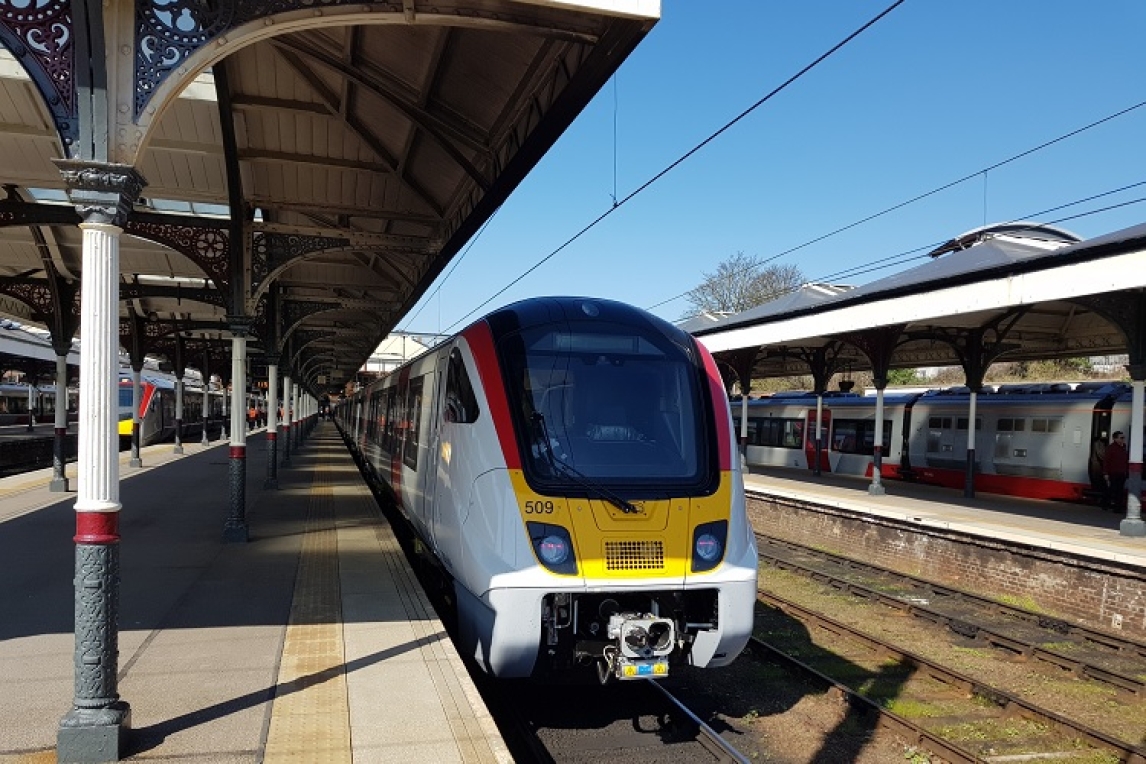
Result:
97,528
61,431
238,452
272,436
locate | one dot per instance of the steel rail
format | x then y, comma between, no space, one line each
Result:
1076,666
709,737
1005,700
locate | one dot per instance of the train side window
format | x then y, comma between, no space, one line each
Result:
1005,425
413,423
1020,425
1038,425
1054,425
461,403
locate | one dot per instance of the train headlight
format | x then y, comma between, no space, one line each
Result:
553,550
708,545
553,547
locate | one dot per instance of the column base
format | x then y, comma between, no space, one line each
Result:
135,461
177,450
58,485
876,489
93,734
236,534
1132,527
271,483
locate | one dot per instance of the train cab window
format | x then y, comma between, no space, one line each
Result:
603,404
461,403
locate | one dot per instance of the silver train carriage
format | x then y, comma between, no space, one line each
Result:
157,407
1033,440
569,464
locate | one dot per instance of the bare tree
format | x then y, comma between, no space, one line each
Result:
739,283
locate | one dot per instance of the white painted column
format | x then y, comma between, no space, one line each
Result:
136,401
876,487
179,415
1132,524
98,476
969,476
272,480
60,429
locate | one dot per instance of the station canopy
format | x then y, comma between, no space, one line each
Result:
1021,291
367,156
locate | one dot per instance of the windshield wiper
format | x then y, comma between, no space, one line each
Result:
573,475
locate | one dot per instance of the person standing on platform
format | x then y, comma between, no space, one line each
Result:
1116,466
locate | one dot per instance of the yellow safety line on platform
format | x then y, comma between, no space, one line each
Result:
310,718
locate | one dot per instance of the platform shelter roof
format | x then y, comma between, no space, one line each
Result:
362,144
1034,291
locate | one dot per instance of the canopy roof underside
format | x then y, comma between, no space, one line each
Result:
368,155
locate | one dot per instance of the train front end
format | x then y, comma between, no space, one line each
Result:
633,552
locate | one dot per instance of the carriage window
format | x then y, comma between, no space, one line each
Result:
1038,425
961,423
857,436
413,422
461,403
776,432
1005,425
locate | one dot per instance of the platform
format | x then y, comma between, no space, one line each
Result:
1077,529
311,642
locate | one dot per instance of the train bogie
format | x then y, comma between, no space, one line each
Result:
568,463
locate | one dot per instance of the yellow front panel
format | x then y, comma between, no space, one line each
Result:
610,543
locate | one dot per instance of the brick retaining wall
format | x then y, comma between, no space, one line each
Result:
1097,594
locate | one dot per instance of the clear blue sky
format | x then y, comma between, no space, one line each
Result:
933,92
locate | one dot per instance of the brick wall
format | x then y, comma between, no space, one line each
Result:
1097,594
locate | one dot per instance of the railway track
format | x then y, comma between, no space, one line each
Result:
953,715
642,721
1086,653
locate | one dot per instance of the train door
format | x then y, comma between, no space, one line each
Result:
1100,426
810,440
437,384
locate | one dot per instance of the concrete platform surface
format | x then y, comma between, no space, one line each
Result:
311,642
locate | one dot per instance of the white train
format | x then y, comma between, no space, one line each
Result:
157,406
1032,440
15,399
569,464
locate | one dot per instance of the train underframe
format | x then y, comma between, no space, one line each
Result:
623,634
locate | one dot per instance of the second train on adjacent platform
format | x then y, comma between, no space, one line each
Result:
1035,440
157,406
569,464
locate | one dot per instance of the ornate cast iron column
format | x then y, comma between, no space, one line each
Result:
178,412
136,401
286,419
236,527
95,728
59,482
272,480
1132,524
205,439
879,346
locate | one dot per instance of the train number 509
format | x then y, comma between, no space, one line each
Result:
539,507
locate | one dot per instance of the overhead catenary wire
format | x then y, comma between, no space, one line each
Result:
921,252
618,204
925,195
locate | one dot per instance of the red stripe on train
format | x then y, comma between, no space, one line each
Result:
480,340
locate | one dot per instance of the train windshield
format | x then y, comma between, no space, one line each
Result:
596,404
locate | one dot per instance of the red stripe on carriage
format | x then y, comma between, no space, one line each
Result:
97,528
480,340
719,405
